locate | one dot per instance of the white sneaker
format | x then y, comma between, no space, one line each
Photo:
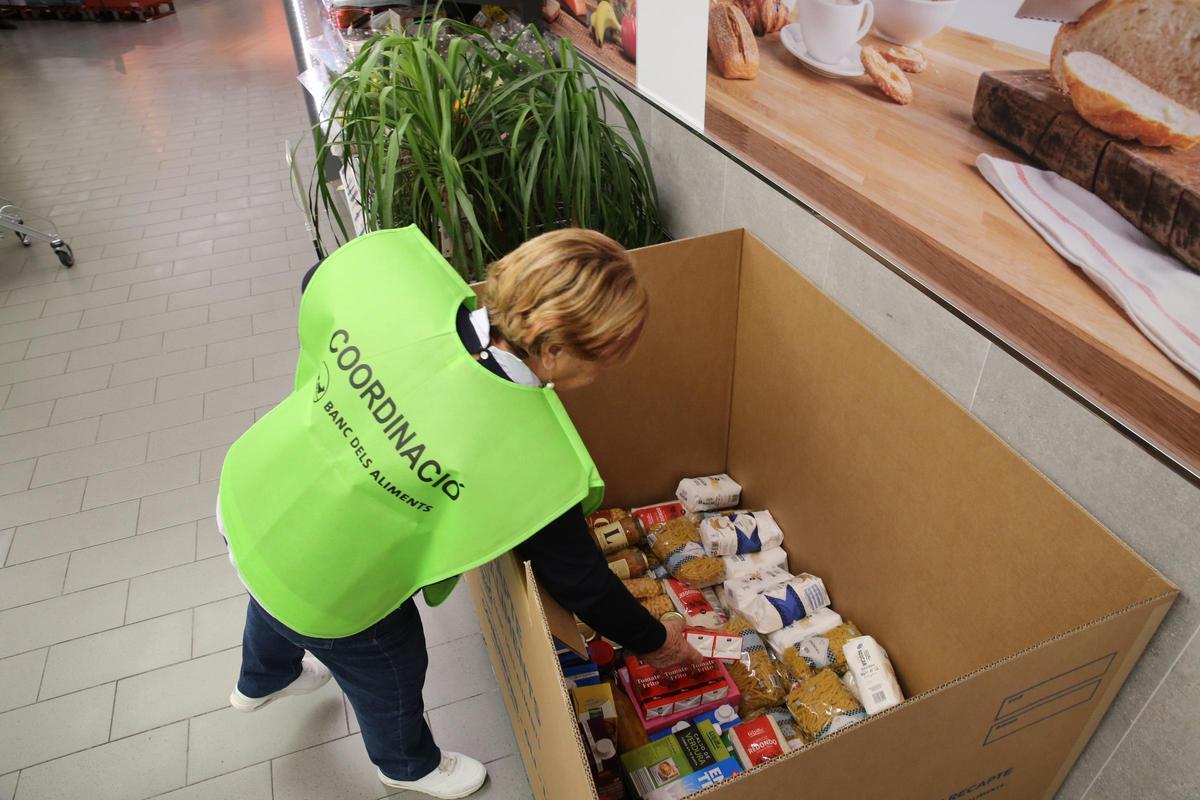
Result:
456,776
313,675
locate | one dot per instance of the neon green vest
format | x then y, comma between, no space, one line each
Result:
398,462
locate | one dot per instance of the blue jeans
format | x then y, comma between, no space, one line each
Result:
381,670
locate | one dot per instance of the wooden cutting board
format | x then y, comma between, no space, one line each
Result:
1156,189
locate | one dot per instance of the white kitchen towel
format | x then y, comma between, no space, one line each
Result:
1159,294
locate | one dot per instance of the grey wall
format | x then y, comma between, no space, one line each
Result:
1148,745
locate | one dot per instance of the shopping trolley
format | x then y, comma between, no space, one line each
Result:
14,219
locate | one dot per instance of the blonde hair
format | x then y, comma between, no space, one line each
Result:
575,288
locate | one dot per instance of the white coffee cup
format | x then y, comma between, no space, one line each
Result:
831,27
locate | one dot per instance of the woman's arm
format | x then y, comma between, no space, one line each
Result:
571,567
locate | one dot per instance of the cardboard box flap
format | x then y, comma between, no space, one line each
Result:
526,667
929,531
683,362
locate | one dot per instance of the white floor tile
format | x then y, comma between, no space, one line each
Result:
159,416
6,538
104,401
477,726
43,731
19,679
75,531
158,364
340,769
199,435
28,583
118,653
125,484
175,692
182,587
506,780
114,352
35,505
128,769
72,339
25,418
61,618
204,380
93,460
34,391
251,783
15,477
53,439
130,557
177,506
8,786
457,670
227,740
453,619
206,333
252,395
219,625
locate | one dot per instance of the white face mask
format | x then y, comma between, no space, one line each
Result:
513,366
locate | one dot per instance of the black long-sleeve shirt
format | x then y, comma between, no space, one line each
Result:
565,559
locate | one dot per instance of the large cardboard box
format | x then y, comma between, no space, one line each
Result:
1011,615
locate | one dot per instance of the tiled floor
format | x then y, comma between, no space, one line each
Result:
158,149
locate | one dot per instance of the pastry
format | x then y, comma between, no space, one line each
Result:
887,76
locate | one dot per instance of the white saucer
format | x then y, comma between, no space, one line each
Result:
849,67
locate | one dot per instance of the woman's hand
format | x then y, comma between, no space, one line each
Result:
675,649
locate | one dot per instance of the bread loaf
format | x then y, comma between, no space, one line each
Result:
1156,41
1118,103
732,43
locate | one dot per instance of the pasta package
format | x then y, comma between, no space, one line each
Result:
613,529
643,588
821,705
668,537
825,649
781,604
745,565
797,667
677,543
657,605
740,533
757,676
825,619
708,493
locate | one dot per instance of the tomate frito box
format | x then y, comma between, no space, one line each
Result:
1011,615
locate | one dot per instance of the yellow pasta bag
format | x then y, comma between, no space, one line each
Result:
657,605
821,705
757,676
643,588
820,651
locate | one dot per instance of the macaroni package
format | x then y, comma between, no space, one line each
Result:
821,705
757,676
824,649
739,533
676,543
657,605
709,493
643,588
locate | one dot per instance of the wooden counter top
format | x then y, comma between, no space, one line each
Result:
903,180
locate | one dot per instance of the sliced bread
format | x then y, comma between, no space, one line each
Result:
1157,41
1118,103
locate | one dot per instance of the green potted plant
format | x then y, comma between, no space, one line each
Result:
483,143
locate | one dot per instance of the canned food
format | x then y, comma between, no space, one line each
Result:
585,631
672,616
